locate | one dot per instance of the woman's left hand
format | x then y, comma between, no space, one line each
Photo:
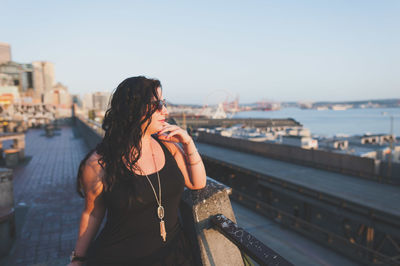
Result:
175,134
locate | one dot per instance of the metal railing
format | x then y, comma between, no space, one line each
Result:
246,242
361,253
95,126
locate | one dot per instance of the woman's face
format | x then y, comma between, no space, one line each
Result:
158,118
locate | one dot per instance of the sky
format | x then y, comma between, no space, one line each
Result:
207,51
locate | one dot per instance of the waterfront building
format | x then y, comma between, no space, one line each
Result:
333,144
341,107
298,131
376,139
375,146
300,141
5,52
365,152
242,132
305,105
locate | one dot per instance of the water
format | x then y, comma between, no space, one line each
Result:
329,122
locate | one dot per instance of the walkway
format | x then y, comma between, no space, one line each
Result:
47,207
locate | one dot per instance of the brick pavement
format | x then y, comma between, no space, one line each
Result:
47,206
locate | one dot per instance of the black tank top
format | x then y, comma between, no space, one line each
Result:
132,231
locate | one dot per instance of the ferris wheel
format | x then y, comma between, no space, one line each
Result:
220,103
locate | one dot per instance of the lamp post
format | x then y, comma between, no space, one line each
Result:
391,148
390,158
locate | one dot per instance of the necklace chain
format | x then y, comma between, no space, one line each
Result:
158,199
160,209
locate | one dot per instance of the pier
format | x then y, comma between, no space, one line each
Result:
196,122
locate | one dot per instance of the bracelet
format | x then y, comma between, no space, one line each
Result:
195,162
187,143
74,257
190,154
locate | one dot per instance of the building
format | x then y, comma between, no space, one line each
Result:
9,95
374,139
375,146
300,141
19,75
58,96
333,143
6,80
43,76
297,131
5,52
76,99
87,101
100,100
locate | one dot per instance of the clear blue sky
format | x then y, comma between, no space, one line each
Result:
278,50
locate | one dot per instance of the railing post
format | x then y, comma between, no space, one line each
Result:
197,208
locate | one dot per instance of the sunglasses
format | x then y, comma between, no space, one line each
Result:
158,105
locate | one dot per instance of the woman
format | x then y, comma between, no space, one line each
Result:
137,174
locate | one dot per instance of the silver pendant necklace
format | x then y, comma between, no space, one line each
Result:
160,208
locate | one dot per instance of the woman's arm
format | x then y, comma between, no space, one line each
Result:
189,160
94,210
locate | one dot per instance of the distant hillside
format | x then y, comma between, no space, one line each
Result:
381,103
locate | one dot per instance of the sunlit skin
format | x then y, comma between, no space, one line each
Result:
191,167
171,135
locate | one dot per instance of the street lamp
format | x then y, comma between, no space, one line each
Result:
391,145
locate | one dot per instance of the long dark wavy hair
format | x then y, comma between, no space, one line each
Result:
130,108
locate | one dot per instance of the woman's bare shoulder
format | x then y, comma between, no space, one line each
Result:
92,170
93,159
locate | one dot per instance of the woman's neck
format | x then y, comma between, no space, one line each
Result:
146,141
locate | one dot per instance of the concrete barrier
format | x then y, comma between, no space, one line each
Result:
343,163
6,188
91,137
390,172
7,221
7,231
197,208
